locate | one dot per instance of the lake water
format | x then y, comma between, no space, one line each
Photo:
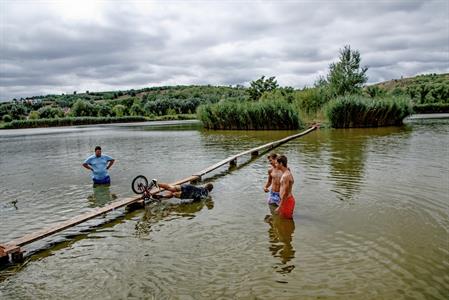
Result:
371,218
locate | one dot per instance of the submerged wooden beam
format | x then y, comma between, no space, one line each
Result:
13,247
254,150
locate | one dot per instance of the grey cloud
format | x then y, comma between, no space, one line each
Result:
138,44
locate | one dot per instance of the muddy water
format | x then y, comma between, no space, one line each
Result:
371,219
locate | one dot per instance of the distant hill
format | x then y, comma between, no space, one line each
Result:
422,89
404,83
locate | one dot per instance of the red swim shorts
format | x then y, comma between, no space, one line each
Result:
287,207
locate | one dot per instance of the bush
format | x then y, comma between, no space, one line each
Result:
311,100
119,110
357,111
7,118
48,112
82,108
33,115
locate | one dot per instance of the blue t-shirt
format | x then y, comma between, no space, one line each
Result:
98,165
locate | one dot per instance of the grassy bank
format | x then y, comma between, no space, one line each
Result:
249,115
88,121
359,111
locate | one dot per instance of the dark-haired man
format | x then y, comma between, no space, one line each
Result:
185,191
287,203
99,165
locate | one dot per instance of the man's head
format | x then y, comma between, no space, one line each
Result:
209,187
98,151
282,161
272,158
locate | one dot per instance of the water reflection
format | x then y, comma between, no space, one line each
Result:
348,149
347,162
101,195
169,210
280,235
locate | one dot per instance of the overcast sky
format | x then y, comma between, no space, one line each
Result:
53,47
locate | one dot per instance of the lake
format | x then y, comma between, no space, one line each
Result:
371,218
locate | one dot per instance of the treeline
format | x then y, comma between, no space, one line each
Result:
148,102
338,99
71,121
422,89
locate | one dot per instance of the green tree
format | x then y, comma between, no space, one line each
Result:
136,110
82,108
17,111
104,110
33,115
260,86
7,118
346,76
48,112
119,110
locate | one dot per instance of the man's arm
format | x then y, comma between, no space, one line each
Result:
267,185
110,163
87,166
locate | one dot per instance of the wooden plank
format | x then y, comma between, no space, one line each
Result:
26,239
270,145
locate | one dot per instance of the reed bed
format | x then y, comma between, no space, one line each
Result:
359,111
262,115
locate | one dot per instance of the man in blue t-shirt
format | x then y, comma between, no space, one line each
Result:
99,165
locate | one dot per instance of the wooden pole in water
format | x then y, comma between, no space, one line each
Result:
13,248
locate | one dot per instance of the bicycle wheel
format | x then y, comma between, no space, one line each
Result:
139,184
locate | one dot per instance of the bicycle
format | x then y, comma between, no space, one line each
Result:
140,186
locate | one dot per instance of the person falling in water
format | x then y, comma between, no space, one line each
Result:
274,180
287,203
184,191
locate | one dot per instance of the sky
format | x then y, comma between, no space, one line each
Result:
54,47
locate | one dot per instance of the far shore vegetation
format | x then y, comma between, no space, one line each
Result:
340,99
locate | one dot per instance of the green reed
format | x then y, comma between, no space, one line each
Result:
262,115
359,111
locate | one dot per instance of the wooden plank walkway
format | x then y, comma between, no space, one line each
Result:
13,248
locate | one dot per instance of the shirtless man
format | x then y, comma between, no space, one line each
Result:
274,180
287,204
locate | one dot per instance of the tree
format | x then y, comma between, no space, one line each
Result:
136,110
83,108
104,110
33,115
119,110
48,112
346,76
260,86
6,118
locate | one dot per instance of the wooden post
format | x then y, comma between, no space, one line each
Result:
17,257
233,162
254,153
135,206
